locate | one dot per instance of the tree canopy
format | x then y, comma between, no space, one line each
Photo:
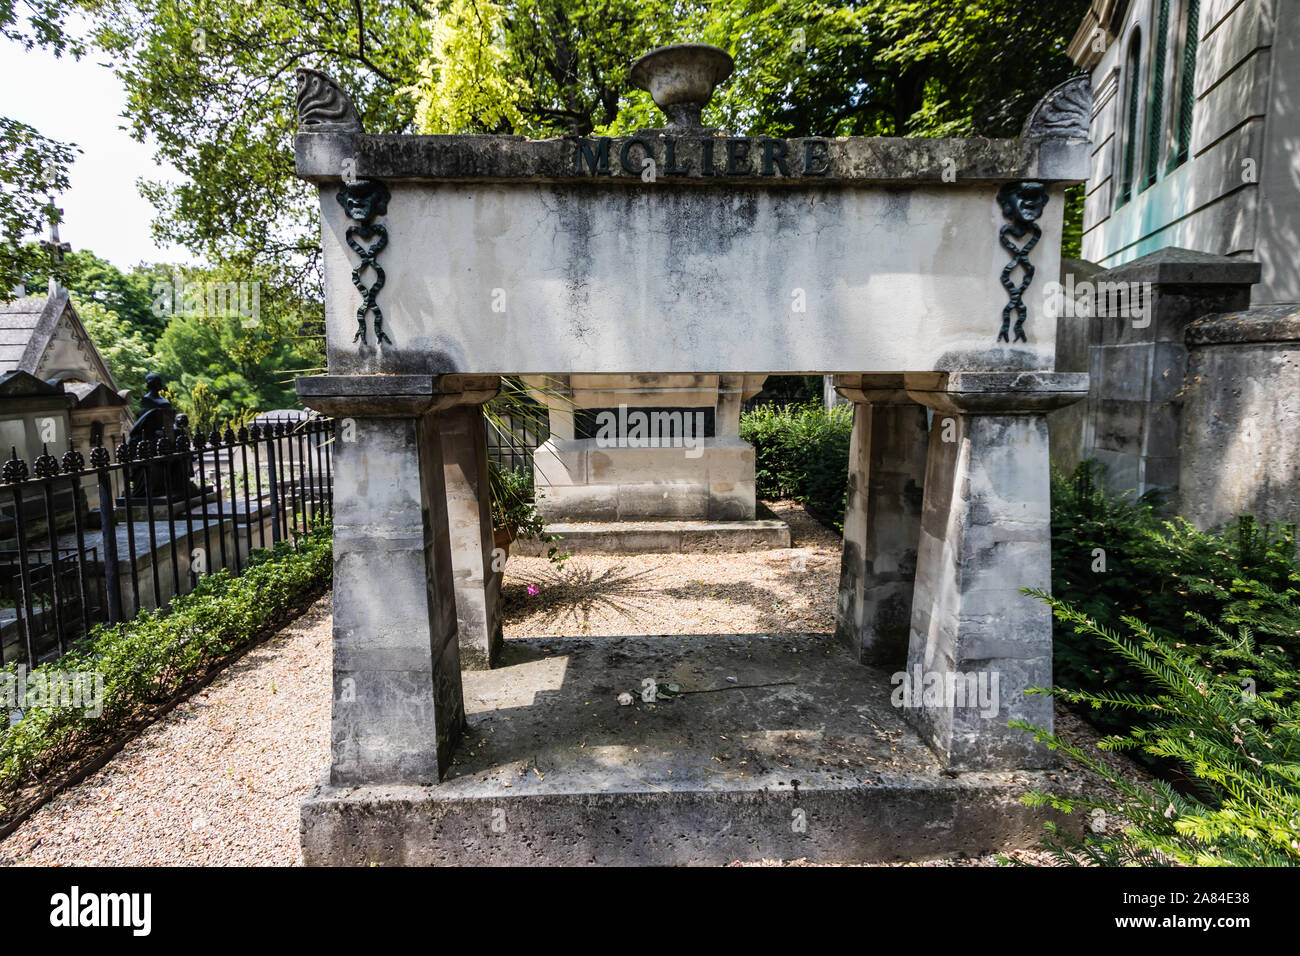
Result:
33,168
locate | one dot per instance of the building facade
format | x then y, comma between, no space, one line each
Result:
1194,133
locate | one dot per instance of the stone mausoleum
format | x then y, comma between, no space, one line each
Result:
1189,326
913,261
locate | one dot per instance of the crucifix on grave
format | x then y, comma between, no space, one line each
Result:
55,246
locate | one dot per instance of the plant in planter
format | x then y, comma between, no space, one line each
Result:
514,508
515,514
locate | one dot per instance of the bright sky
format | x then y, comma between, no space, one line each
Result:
81,103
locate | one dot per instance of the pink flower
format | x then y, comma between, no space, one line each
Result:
533,590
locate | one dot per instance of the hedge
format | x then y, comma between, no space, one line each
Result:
802,452
147,663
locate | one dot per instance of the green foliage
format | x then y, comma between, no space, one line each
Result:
514,509
127,295
42,25
147,661
32,168
802,452
240,367
123,349
463,85
1072,230
1114,557
210,84
1239,749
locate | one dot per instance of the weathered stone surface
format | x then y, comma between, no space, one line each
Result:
559,279
583,480
1074,328
398,706
1140,315
392,396
882,525
660,537
1240,427
1175,266
469,523
821,767
852,160
985,535
1279,323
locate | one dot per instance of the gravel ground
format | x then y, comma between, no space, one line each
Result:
218,781
783,591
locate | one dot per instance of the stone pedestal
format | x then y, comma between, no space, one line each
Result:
398,704
629,474
1241,419
977,643
469,521
1140,312
882,519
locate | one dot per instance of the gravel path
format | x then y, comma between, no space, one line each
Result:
786,590
219,780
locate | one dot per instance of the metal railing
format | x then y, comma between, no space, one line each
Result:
88,543
513,439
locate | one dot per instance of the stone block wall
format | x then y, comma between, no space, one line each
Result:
1241,418
593,479
1134,319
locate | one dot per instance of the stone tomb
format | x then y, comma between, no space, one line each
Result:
902,267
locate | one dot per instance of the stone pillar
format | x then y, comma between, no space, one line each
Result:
977,643
469,521
1138,358
398,705
882,519
1241,418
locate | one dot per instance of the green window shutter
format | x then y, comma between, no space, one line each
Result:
1133,78
1156,121
1187,85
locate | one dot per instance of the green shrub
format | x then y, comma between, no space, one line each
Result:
514,507
1238,749
145,662
802,452
1114,558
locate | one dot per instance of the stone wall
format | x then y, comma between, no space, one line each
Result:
1136,317
1192,394
611,477
1241,417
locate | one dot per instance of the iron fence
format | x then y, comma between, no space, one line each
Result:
512,439
83,543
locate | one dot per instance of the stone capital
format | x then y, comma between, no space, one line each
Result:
874,389
393,396
997,393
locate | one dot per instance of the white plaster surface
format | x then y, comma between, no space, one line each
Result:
700,279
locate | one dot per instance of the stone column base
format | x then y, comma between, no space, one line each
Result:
398,703
977,643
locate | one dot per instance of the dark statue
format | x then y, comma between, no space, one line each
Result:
363,200
158,421
1022,206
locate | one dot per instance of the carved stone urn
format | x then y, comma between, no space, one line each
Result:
681,78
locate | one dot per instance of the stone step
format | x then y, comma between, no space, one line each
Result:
659,537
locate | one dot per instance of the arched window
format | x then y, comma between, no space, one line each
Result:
96,434
1128,145
1155,121
1184,95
